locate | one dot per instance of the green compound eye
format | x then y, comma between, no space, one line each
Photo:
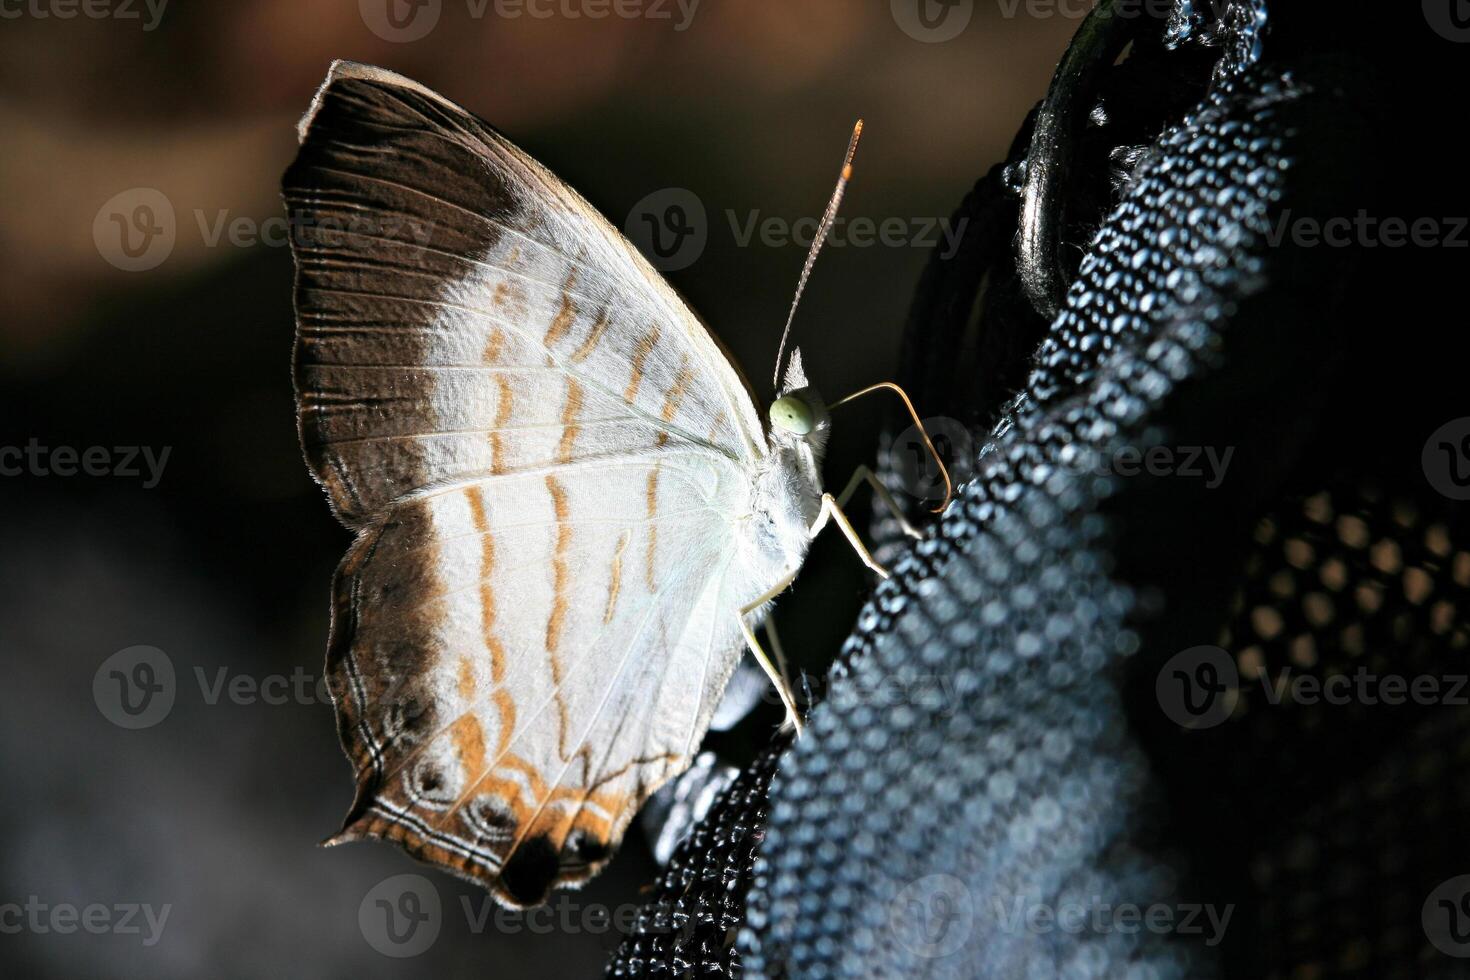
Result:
792,414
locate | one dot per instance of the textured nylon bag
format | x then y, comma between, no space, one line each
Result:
1203,452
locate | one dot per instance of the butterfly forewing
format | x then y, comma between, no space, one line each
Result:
545,457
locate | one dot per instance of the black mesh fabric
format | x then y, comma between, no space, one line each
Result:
700,899
1031,766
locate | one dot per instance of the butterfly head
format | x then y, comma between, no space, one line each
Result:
788,491
799,416
792,414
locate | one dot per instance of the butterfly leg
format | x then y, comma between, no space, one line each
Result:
832,510
778,652
793,719
863,473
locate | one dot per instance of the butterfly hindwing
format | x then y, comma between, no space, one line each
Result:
527,677
543,455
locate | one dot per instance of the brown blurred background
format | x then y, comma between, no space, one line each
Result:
116,112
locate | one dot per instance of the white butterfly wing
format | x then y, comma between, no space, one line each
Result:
546,459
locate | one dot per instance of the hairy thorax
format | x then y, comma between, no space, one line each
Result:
786,497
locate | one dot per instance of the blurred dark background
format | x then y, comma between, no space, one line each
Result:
116,113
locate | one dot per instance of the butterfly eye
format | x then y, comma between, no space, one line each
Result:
792,414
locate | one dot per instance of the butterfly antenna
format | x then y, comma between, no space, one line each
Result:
918,424
828,217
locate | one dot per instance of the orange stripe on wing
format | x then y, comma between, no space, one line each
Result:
593,338
641,351
466,678
677,392
560,578
652,497
494,348
673,398
481,521
504,401
469,742
511,296
569,422
616,583
505,706
562,322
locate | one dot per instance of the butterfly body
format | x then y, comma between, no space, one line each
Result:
786,498
562,494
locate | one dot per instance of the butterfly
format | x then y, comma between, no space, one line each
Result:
567,511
